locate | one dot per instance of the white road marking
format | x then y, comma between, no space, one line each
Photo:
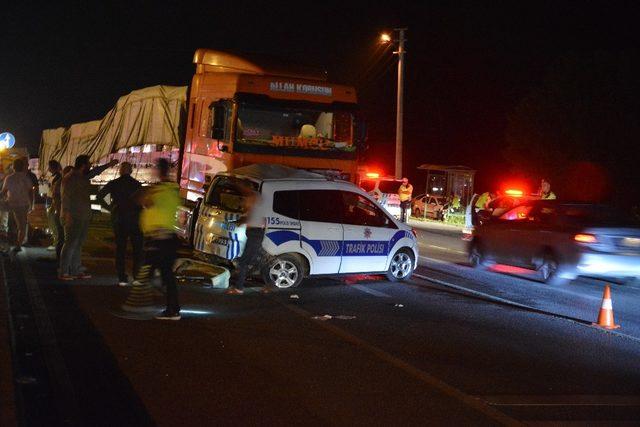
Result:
442,248
371,291
429,259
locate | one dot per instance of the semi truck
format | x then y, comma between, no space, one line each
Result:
244,111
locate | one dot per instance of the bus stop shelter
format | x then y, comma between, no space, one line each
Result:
449,181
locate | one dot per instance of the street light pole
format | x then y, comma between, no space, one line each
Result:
399,108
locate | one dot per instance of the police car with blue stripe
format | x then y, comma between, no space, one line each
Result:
314,226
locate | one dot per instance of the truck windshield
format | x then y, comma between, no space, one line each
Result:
229,193
282,128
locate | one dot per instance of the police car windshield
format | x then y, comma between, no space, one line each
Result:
389,186
229,193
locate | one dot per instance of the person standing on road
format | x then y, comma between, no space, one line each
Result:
158,219
55,170
56,203
18,189
255,220
125,218
75,213
405,192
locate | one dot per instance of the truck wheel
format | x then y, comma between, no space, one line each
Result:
284,271
401,266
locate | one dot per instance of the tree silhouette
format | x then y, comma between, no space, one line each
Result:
585,111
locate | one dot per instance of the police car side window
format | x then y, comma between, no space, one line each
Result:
320,206
359,210
286,203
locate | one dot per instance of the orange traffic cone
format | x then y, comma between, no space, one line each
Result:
605,318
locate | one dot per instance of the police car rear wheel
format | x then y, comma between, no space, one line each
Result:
284,271
401,266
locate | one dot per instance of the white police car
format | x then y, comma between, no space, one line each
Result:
314,226
385,191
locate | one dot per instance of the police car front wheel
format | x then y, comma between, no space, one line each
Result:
401,266
284,271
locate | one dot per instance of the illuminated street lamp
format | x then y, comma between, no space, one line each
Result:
386,38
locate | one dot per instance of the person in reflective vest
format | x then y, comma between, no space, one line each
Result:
157,220
483,201
405,192
545,191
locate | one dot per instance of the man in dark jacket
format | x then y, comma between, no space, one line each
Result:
125,218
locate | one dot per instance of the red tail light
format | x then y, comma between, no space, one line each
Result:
585,238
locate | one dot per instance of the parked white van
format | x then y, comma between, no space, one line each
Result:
314,226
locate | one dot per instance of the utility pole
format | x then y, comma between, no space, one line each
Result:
399,108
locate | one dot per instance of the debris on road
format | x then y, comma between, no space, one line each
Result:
398,305
207,275
329,317
294,296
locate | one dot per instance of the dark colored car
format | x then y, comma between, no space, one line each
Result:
560,240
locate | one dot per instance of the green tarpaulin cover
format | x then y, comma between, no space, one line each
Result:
151,115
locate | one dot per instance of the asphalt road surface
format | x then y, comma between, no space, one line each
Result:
449,347
443,254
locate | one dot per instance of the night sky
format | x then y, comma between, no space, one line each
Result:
468,63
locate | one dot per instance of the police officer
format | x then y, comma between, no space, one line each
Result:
405,192
545,191
483,201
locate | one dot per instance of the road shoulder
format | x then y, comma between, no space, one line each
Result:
7,389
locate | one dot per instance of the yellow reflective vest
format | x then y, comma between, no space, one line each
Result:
405,192
549,196
161,214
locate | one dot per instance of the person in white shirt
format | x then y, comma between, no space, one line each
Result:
255,220
19,190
